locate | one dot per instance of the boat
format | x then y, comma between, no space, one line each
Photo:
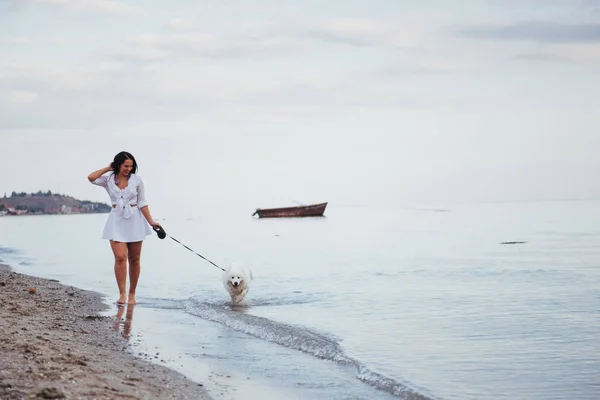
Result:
313,210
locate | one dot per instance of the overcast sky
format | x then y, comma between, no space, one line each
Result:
268,102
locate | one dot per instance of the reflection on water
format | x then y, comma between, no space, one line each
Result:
241,308
123,325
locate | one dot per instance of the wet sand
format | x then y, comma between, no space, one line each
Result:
54,343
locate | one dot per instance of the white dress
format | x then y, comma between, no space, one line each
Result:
125,223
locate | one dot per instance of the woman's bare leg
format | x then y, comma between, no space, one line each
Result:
120,252
134,255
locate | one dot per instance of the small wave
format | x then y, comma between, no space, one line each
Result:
278,301
221,298
14,257
298,338
389,385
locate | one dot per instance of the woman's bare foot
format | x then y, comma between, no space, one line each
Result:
122,299
131,299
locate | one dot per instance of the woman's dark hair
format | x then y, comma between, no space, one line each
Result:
120,159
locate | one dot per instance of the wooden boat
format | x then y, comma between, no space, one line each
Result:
313,210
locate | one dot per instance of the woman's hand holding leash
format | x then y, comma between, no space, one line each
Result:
159,231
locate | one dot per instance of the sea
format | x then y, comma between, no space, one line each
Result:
468,301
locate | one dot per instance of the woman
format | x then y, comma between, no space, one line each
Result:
128,222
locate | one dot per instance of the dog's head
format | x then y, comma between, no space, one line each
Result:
235,279
236,276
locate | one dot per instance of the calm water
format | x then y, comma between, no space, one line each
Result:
367,303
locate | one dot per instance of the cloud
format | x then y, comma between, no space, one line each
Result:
96,94
15,40
52,40
430,66
365,32
97,6
22,97
61,96
592,5
318,66
144,53
26,75
542,57
8,4
184,39
578,53
10,8
88,95
154,47
546,32
180,23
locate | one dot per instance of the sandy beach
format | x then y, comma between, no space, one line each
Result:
54,344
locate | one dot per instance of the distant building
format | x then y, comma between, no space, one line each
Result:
12,211
88,207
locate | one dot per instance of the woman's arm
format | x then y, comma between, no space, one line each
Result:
146,212
97,174
142,204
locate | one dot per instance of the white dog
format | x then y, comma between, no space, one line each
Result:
237,282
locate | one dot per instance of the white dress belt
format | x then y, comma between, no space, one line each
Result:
123,208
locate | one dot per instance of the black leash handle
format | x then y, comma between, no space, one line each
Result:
162,234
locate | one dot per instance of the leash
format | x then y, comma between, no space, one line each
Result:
162,234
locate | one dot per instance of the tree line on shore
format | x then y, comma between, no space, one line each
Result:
46,202
23,194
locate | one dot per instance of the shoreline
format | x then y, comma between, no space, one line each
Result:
46,214
55,343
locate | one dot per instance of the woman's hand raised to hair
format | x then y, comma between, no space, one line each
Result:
97,174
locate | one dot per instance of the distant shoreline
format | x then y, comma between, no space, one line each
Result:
48,203
47,214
